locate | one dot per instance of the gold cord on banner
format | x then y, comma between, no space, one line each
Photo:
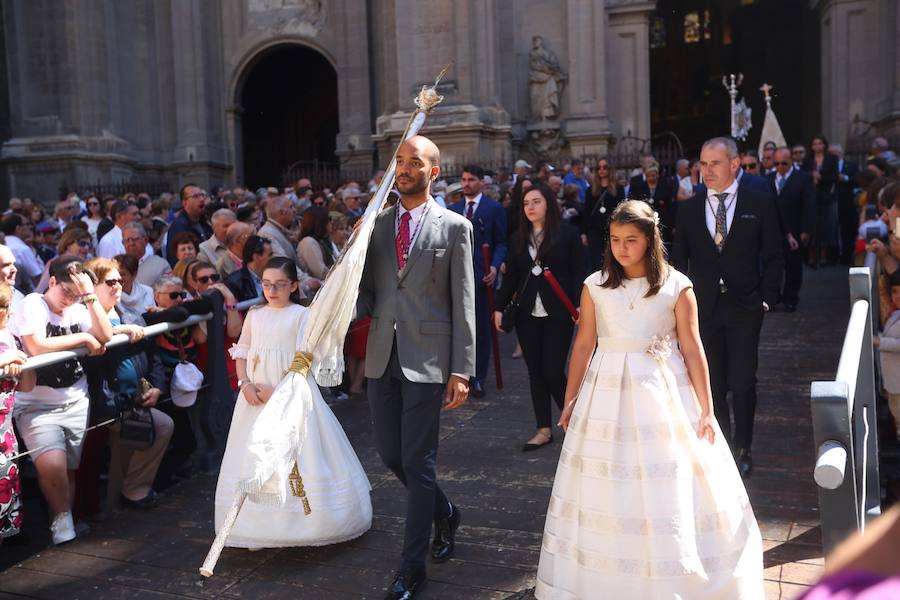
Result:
301,363
297,489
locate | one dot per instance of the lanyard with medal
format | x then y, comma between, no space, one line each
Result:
407,244
536,270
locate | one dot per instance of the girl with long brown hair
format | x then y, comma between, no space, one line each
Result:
646,484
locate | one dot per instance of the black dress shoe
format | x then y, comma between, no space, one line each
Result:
529,447
406,585
744,464
476,390
445,536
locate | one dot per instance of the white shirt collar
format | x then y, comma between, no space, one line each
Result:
785,176
414,214
731,190
476,200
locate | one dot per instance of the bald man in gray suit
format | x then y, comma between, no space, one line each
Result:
419,288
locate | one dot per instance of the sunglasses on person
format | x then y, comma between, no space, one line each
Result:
781,163
603,167
748,166
93,204
113,282
176,295
214,278
84,243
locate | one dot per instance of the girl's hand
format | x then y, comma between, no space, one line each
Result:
566,415
250,395
264,392
498,320
706,429
13,357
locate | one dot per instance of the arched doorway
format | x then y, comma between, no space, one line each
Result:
693,43
290,112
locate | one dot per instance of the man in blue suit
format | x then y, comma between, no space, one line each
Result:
489,224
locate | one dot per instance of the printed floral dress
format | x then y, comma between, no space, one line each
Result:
10,502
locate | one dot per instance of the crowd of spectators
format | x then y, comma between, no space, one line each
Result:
93,267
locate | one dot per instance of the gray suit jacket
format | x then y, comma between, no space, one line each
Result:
429,305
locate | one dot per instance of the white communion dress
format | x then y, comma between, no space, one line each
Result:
641,507
335,484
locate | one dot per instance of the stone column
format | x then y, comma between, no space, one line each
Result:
421,40
200,118
857,72
628,48
354,147
587,127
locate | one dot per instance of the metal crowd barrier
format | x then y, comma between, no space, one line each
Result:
211,414
42,360
844,421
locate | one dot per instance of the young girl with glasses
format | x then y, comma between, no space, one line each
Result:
334,505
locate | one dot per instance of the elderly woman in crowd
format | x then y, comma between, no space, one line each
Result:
315,252
120,370
136,297
53,416
180,270
186,244
340,231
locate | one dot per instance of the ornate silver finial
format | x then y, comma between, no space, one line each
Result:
428,97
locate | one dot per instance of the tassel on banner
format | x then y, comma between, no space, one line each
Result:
297,489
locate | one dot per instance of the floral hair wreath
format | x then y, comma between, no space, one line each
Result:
656,218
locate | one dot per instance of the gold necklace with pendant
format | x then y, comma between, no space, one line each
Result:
631,300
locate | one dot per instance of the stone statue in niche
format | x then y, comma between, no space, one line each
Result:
306,17
545,81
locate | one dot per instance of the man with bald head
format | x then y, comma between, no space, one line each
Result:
418,286
235,238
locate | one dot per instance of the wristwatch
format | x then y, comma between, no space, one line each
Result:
242,382
89,298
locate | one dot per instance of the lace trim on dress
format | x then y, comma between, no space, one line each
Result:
237,352
723,520
604,469
681,566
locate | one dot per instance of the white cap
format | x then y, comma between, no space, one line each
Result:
186,380
522,163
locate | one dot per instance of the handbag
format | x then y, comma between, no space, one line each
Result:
508,319
136,429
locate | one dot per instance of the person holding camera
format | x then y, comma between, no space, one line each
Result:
541,320
52,418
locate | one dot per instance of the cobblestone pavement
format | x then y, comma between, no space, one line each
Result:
502,493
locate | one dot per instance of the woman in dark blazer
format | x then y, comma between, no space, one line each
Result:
603,198
823,166
545,328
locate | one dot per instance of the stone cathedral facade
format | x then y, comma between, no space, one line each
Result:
98,91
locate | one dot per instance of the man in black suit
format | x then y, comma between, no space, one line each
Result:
246,282
848,211
729,243
795,197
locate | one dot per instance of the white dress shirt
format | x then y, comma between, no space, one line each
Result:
779,178
476,201
111,244
712,205
415,217
26,258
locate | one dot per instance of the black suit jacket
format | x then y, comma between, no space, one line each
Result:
844,189
751,263
825,189
796,203
663,197
564,258
241,284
